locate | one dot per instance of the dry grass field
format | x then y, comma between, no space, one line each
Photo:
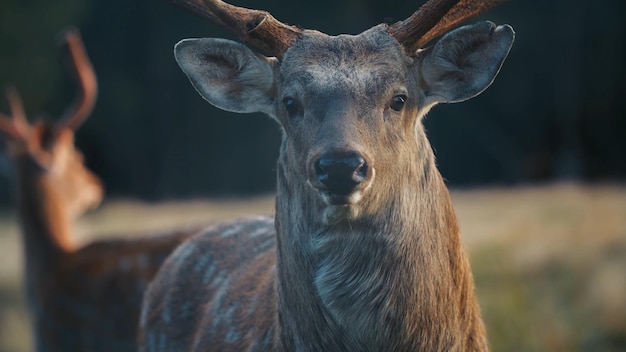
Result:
549,261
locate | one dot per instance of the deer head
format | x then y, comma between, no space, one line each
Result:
46,150
350,106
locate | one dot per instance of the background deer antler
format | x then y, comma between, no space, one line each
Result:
14,126
255,27
83,71
435,18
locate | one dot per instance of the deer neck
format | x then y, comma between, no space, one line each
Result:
45,220
393,279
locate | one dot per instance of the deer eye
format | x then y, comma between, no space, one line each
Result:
397,103
292,107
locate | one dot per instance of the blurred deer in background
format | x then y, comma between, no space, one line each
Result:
364,253
80,299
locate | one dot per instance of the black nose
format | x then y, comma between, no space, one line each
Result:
340,173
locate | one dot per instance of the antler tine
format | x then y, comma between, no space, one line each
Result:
256,27
434,19
16,125
464,10
86,79
409,31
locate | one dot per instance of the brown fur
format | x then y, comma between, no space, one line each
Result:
376,267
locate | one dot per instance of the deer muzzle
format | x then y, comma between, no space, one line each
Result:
340,177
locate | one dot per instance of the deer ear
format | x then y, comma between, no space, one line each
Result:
228,74
464,62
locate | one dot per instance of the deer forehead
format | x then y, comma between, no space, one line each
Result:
368,63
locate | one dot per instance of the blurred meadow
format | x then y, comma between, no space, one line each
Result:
549,261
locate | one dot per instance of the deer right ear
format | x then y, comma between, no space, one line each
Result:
464,62
228,74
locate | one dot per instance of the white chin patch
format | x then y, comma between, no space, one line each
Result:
333,200
335,213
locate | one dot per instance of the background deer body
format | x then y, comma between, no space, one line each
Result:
80,299
368,255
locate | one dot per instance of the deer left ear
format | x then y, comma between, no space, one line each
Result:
228,74
464,62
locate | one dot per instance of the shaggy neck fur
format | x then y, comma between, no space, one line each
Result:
395,278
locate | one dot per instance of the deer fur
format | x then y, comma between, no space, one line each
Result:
80,298
381,268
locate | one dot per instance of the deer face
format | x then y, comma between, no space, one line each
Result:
50,155
349,106
346,112
80,188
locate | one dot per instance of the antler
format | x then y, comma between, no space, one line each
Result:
14,126
256,27
434,19
85,77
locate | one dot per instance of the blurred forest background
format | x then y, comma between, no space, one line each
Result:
549,260
557,110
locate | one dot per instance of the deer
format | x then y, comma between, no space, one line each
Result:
363,252
80,298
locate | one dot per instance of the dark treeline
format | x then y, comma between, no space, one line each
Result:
556,111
